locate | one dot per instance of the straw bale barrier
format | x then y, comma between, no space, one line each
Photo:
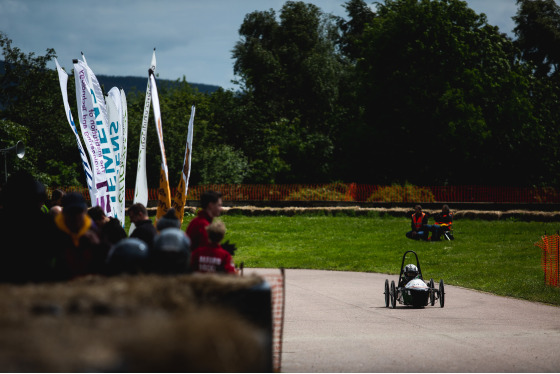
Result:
145,323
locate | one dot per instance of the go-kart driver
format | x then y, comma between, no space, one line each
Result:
410,272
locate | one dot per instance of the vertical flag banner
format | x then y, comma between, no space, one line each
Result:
180,197
63,80
89,118
108,138
141,186
114,144
164,195
122,168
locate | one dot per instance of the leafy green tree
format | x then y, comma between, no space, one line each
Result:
538,34
30,98
221,165
289,70
538,39
442,96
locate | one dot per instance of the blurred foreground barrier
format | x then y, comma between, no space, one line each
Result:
144,323
550,258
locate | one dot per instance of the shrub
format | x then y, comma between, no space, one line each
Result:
329,192
406,193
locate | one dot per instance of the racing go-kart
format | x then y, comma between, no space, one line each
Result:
412,289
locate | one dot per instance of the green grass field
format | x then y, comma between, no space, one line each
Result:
493,256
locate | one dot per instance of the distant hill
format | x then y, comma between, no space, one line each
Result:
129,84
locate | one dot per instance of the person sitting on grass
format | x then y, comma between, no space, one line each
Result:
443,222
212,258
419,225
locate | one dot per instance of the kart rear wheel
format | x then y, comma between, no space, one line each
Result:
441,293
393,295
387,294
432,292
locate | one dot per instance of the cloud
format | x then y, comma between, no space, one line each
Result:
192,38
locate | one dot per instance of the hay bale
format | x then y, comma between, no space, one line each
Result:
130,323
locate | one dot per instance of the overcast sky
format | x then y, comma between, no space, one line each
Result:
193,38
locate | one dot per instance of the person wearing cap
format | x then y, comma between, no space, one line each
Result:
77,240
211,204
212,258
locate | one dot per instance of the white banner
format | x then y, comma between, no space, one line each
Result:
164,195
109,135
63,80
90,117
113,160
141,186
180,197
94,83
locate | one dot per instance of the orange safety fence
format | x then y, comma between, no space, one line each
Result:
362,193
277,282
550,257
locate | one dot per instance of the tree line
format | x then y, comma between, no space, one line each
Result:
425,92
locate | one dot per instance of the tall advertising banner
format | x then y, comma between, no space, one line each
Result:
108,137
141,186
113,159
164,195
90,117
63,80
180,197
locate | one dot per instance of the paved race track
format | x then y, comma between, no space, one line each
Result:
337,322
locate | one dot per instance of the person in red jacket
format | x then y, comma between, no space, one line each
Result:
212,258
211,204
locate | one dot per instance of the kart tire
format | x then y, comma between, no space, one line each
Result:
393,295
441,293
432,292
387,294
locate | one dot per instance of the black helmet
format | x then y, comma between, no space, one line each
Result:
410,271
129,255
168,220
171,252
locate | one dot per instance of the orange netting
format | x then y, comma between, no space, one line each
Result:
360,193
550,257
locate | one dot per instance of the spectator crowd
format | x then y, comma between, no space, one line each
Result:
61,238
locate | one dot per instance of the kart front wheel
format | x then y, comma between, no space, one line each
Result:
441,293
393,295
387,294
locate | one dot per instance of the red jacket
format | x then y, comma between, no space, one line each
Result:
212,259
196,230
